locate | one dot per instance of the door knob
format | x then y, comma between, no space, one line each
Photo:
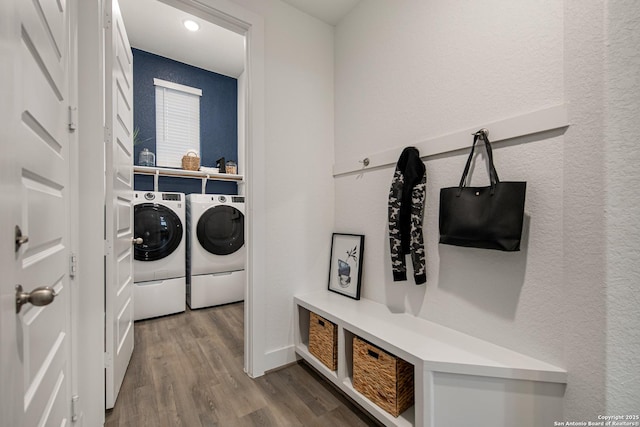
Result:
40,296
137,241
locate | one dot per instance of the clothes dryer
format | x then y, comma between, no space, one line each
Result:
159,268
216,251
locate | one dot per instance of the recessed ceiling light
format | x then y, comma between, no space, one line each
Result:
191,25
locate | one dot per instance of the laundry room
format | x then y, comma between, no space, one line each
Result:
188,169
187,172
186,148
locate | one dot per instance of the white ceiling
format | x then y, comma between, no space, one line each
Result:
329,11
156,27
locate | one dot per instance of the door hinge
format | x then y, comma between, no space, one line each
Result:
108,361
73,265
107,135
73,118
107,19
107,247
74,407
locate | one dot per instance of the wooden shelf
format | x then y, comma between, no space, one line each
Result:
182,173
157,172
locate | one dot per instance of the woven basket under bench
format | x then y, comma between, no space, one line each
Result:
383,378
323,340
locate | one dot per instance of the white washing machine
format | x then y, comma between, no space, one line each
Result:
159,268
216,252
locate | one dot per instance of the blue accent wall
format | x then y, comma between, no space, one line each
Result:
218,118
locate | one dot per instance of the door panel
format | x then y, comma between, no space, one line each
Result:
119,196
44,241
37,341
123,107
45,364
49,47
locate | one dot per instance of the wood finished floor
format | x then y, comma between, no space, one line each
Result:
186,370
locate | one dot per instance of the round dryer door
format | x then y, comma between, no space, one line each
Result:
221,230
160,230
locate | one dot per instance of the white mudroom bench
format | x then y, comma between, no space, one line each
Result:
459,380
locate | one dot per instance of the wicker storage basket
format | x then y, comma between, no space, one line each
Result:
384,378
323,340
191,162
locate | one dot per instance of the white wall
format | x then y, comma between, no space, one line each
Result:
622,128
584,233
407,71
299,159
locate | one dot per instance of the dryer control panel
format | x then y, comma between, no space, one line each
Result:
225,199
172,196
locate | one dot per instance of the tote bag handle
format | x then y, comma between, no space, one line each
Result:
493,174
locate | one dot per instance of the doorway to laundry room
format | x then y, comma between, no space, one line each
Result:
189,166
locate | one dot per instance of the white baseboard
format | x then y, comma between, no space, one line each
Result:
280,357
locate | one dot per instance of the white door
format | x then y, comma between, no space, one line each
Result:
35,152
119,197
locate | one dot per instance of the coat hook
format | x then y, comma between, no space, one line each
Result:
483,131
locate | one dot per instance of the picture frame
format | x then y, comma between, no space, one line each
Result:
345,268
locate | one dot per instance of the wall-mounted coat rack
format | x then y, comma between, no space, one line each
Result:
543,120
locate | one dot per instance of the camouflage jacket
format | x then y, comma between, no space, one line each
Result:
406,213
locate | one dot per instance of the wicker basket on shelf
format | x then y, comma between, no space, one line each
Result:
191,161
323,340
383,378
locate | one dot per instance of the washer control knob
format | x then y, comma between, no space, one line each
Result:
149,196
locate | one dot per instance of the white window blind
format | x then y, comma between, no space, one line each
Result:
177,122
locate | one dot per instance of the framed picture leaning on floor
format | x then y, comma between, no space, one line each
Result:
345,269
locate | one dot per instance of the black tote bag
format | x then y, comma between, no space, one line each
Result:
483,217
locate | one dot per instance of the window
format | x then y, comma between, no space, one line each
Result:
177,122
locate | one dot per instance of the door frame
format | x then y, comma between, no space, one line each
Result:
91,192
89,366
